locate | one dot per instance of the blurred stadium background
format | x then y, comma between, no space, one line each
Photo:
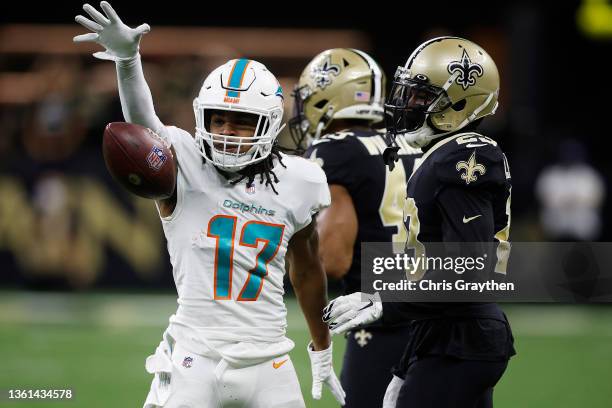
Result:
85,283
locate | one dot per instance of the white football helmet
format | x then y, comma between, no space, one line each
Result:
239,85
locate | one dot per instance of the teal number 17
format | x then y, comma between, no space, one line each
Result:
223,229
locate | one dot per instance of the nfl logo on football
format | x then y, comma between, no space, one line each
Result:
156,158
187,362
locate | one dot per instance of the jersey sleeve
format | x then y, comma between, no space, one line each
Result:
182,142
186,153
467,214
339,159
314,193
472,193
469,182
472,168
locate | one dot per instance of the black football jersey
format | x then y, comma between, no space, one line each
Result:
353,159
460,192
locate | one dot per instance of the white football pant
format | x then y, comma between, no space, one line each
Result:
188,380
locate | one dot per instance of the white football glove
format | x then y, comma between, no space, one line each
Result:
323,372
120,41
347,312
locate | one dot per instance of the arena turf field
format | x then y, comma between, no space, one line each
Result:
95,344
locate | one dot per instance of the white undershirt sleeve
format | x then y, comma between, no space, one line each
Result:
135,95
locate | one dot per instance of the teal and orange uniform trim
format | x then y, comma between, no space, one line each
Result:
235,80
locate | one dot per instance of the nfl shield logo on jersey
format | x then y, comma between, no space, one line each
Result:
250,188
187,361
156,158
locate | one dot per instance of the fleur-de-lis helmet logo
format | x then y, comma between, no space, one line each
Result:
471,169
466,71
321,74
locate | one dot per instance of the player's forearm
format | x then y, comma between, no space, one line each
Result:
336,261
335,249
309,282
337,229
311,292
136,98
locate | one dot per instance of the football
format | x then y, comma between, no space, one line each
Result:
140,160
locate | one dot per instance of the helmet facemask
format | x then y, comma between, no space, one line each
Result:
410,102
246,93
298,124
230,152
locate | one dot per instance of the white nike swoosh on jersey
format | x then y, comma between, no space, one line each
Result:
475,145
466,220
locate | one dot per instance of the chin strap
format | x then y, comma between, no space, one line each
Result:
280,129
479,109
324,121
419,138
425,135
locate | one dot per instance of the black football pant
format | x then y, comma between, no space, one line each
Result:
448,382
366,369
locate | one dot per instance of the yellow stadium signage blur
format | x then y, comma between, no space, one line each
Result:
594,18
52,244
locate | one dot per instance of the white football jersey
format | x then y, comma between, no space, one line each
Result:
227,246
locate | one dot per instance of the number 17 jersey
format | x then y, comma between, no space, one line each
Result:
227,244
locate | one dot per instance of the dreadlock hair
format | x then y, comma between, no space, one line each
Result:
262,168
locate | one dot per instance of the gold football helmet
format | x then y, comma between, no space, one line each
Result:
447,83
339,83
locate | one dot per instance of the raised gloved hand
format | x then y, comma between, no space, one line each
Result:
120,41
347,312
323,373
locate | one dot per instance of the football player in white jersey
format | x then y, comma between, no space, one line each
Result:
239,208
